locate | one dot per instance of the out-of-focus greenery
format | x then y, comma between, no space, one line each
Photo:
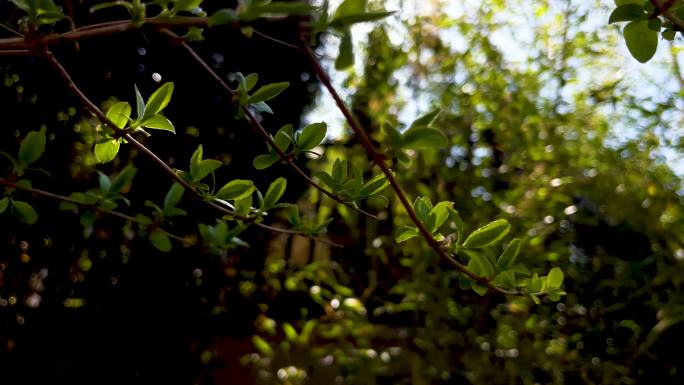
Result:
546,132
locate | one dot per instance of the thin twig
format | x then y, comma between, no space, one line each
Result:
663,8
117,214
379,160
152,156
257,126
276,40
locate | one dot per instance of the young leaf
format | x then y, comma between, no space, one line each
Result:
158,101
119,113
460,227
4,202
420,138
158,122
311,136
122,180
200,168
405,233
236,189
139,103
264,161
274,193
507,258
627,12
642,41
106,151
222,17
350,7
326,179
374,186
488,234
104,181
345,57
250,81
439,215
555,279
160,240
283,138
173,196
24,212
422,206
32,147
268,92
425,120
393,135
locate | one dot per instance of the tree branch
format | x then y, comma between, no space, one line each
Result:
663,8
117,214
152,156
379,160
257,126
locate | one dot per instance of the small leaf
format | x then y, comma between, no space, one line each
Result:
262,346
426,120
139,103
236,189
422,206
222,17
405,233
4,202
106,151
350,7
420,138
274,193
554,279
439,215
326,179
374,186
24,212
507,258
119,113
104,181
173,196
159,122
393,135
345,57
268,92
534,284
627,12
347,21
642,42
488,234
311,136
160,240
32,147
122,180
264,161
251,81
159,100
283,138
460,227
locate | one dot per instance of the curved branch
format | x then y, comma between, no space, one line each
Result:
257,126
151,155
379,160
117,214
663,8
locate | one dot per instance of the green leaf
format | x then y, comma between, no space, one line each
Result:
555,279
122,180
106,151
24,212
422,206
283,138
405,233
488,234
374,186
507,258
200,168
326,179
158,101
32,147
236,189
268,92
311,136
222,17
393,135
160,240
274,193
534,284
350,7
421,137
460,227
173,196
119,114
4,202
251,81
290,332
262,346
158,122
345,57
139,103
348,20
425,120
627,12
438,215
104,181
188,5
642,41
264,161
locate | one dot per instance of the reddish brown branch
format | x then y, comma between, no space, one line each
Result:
379,160
258,126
